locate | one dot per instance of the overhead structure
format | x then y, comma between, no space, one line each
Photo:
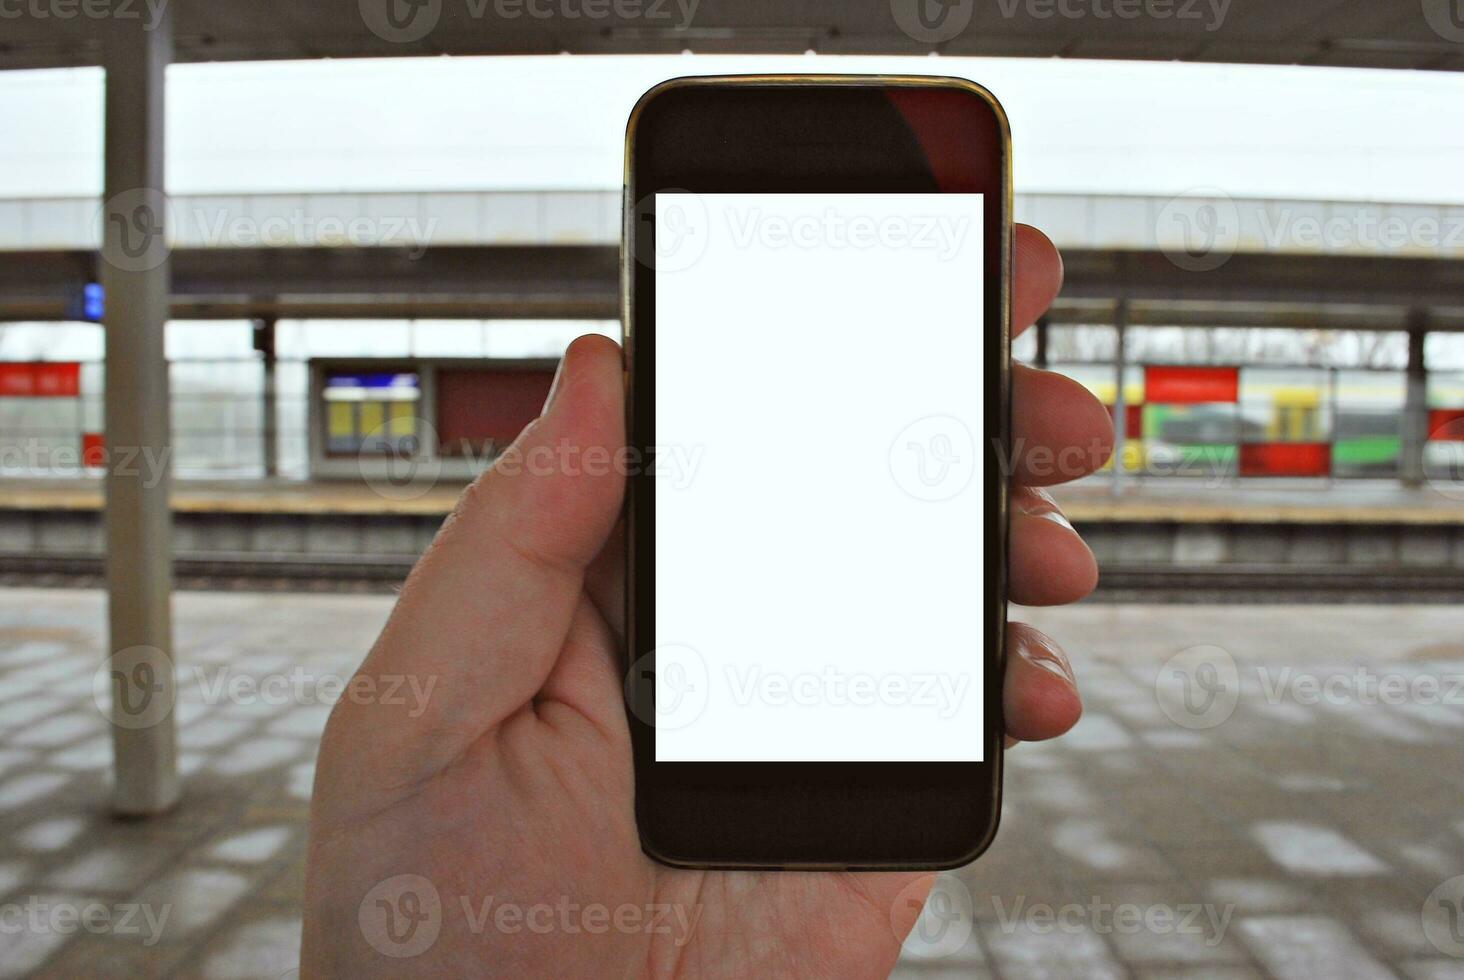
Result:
1425,34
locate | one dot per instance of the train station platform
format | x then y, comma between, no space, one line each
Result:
1095,501
1152,536
1092,501
1267,837
302,497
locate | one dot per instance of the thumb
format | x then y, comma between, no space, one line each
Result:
483,616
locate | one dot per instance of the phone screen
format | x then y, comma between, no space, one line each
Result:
820,552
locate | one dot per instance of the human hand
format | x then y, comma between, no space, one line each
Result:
493,833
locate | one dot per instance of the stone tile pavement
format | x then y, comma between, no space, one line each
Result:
1254,791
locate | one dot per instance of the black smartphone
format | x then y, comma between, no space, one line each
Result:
816,283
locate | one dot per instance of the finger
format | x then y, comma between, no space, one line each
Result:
1049,565
1059,430
1037,276
487,609
1039,695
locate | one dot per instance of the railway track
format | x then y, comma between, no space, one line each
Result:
1228,582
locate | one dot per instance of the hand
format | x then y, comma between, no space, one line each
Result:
508,800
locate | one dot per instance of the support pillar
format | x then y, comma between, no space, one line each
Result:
135,277
1120,413
1415,403
264,343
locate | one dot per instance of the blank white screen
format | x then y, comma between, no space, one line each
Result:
819,528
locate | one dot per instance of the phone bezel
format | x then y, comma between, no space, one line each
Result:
799,815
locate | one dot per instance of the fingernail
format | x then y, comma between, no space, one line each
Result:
1057,517
1034,502
1049,658
554,387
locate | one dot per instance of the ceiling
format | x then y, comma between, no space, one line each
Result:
1425,34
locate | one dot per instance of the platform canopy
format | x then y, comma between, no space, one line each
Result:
1427,34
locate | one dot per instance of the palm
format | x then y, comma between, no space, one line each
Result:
545,804
492,831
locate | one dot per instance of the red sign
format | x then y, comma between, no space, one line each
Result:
1285,459
1446,425
40,379
479,408
1191,385
1133,425
93,450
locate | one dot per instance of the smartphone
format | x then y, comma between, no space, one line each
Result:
816,282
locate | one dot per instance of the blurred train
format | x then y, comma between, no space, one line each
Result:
1271,429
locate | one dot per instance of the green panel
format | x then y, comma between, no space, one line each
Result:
1367,451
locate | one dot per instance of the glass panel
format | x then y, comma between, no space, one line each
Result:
1082,344
1267,346
1444,351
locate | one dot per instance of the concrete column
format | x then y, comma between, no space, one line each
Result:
1120,420
135,276
1415,403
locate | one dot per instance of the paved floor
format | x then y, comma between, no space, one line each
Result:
1254,791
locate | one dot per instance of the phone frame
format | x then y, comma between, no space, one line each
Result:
812,815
